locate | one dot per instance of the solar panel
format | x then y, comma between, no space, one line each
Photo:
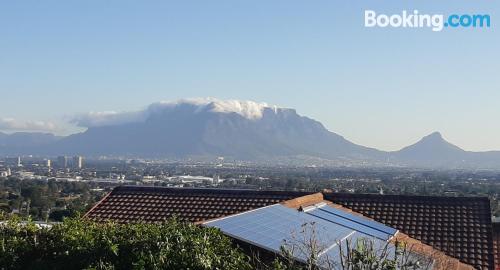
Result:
366,222
277,226
271,226
319,212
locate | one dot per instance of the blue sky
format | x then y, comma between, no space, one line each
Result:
383,88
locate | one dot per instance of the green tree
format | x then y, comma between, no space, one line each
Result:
82,244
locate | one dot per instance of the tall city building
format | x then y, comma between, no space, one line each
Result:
49,165
62,161
78,162
19,162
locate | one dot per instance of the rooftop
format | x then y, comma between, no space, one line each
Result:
331,229
496,244
458,226
155,204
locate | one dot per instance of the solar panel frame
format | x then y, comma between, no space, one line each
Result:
366,222
350,224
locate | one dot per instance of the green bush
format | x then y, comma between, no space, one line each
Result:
82,244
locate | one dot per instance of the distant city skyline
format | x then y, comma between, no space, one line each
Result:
383,88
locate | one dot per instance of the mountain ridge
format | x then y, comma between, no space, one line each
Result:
243,130
189,129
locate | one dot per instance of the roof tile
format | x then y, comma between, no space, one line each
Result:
153,204
460,227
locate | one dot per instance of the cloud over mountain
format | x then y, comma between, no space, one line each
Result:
11,124
249,109
107,118
209,127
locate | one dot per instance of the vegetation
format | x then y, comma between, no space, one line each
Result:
362,254
46,200
82,244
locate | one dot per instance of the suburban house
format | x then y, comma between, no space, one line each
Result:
449,232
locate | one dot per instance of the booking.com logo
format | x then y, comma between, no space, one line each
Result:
436,22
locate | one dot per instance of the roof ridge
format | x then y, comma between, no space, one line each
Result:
125,188
371,195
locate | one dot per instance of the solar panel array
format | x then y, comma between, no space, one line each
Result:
354,222
277,226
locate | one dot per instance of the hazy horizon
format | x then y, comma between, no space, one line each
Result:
382,88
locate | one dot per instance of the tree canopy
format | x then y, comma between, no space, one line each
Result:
82,244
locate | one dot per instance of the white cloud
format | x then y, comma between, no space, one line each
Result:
248,109
11,124
108,118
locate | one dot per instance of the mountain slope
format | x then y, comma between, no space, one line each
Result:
25,142
434,151
190,129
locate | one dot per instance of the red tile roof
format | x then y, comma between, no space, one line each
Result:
496,244
459,226
441,260
153,204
